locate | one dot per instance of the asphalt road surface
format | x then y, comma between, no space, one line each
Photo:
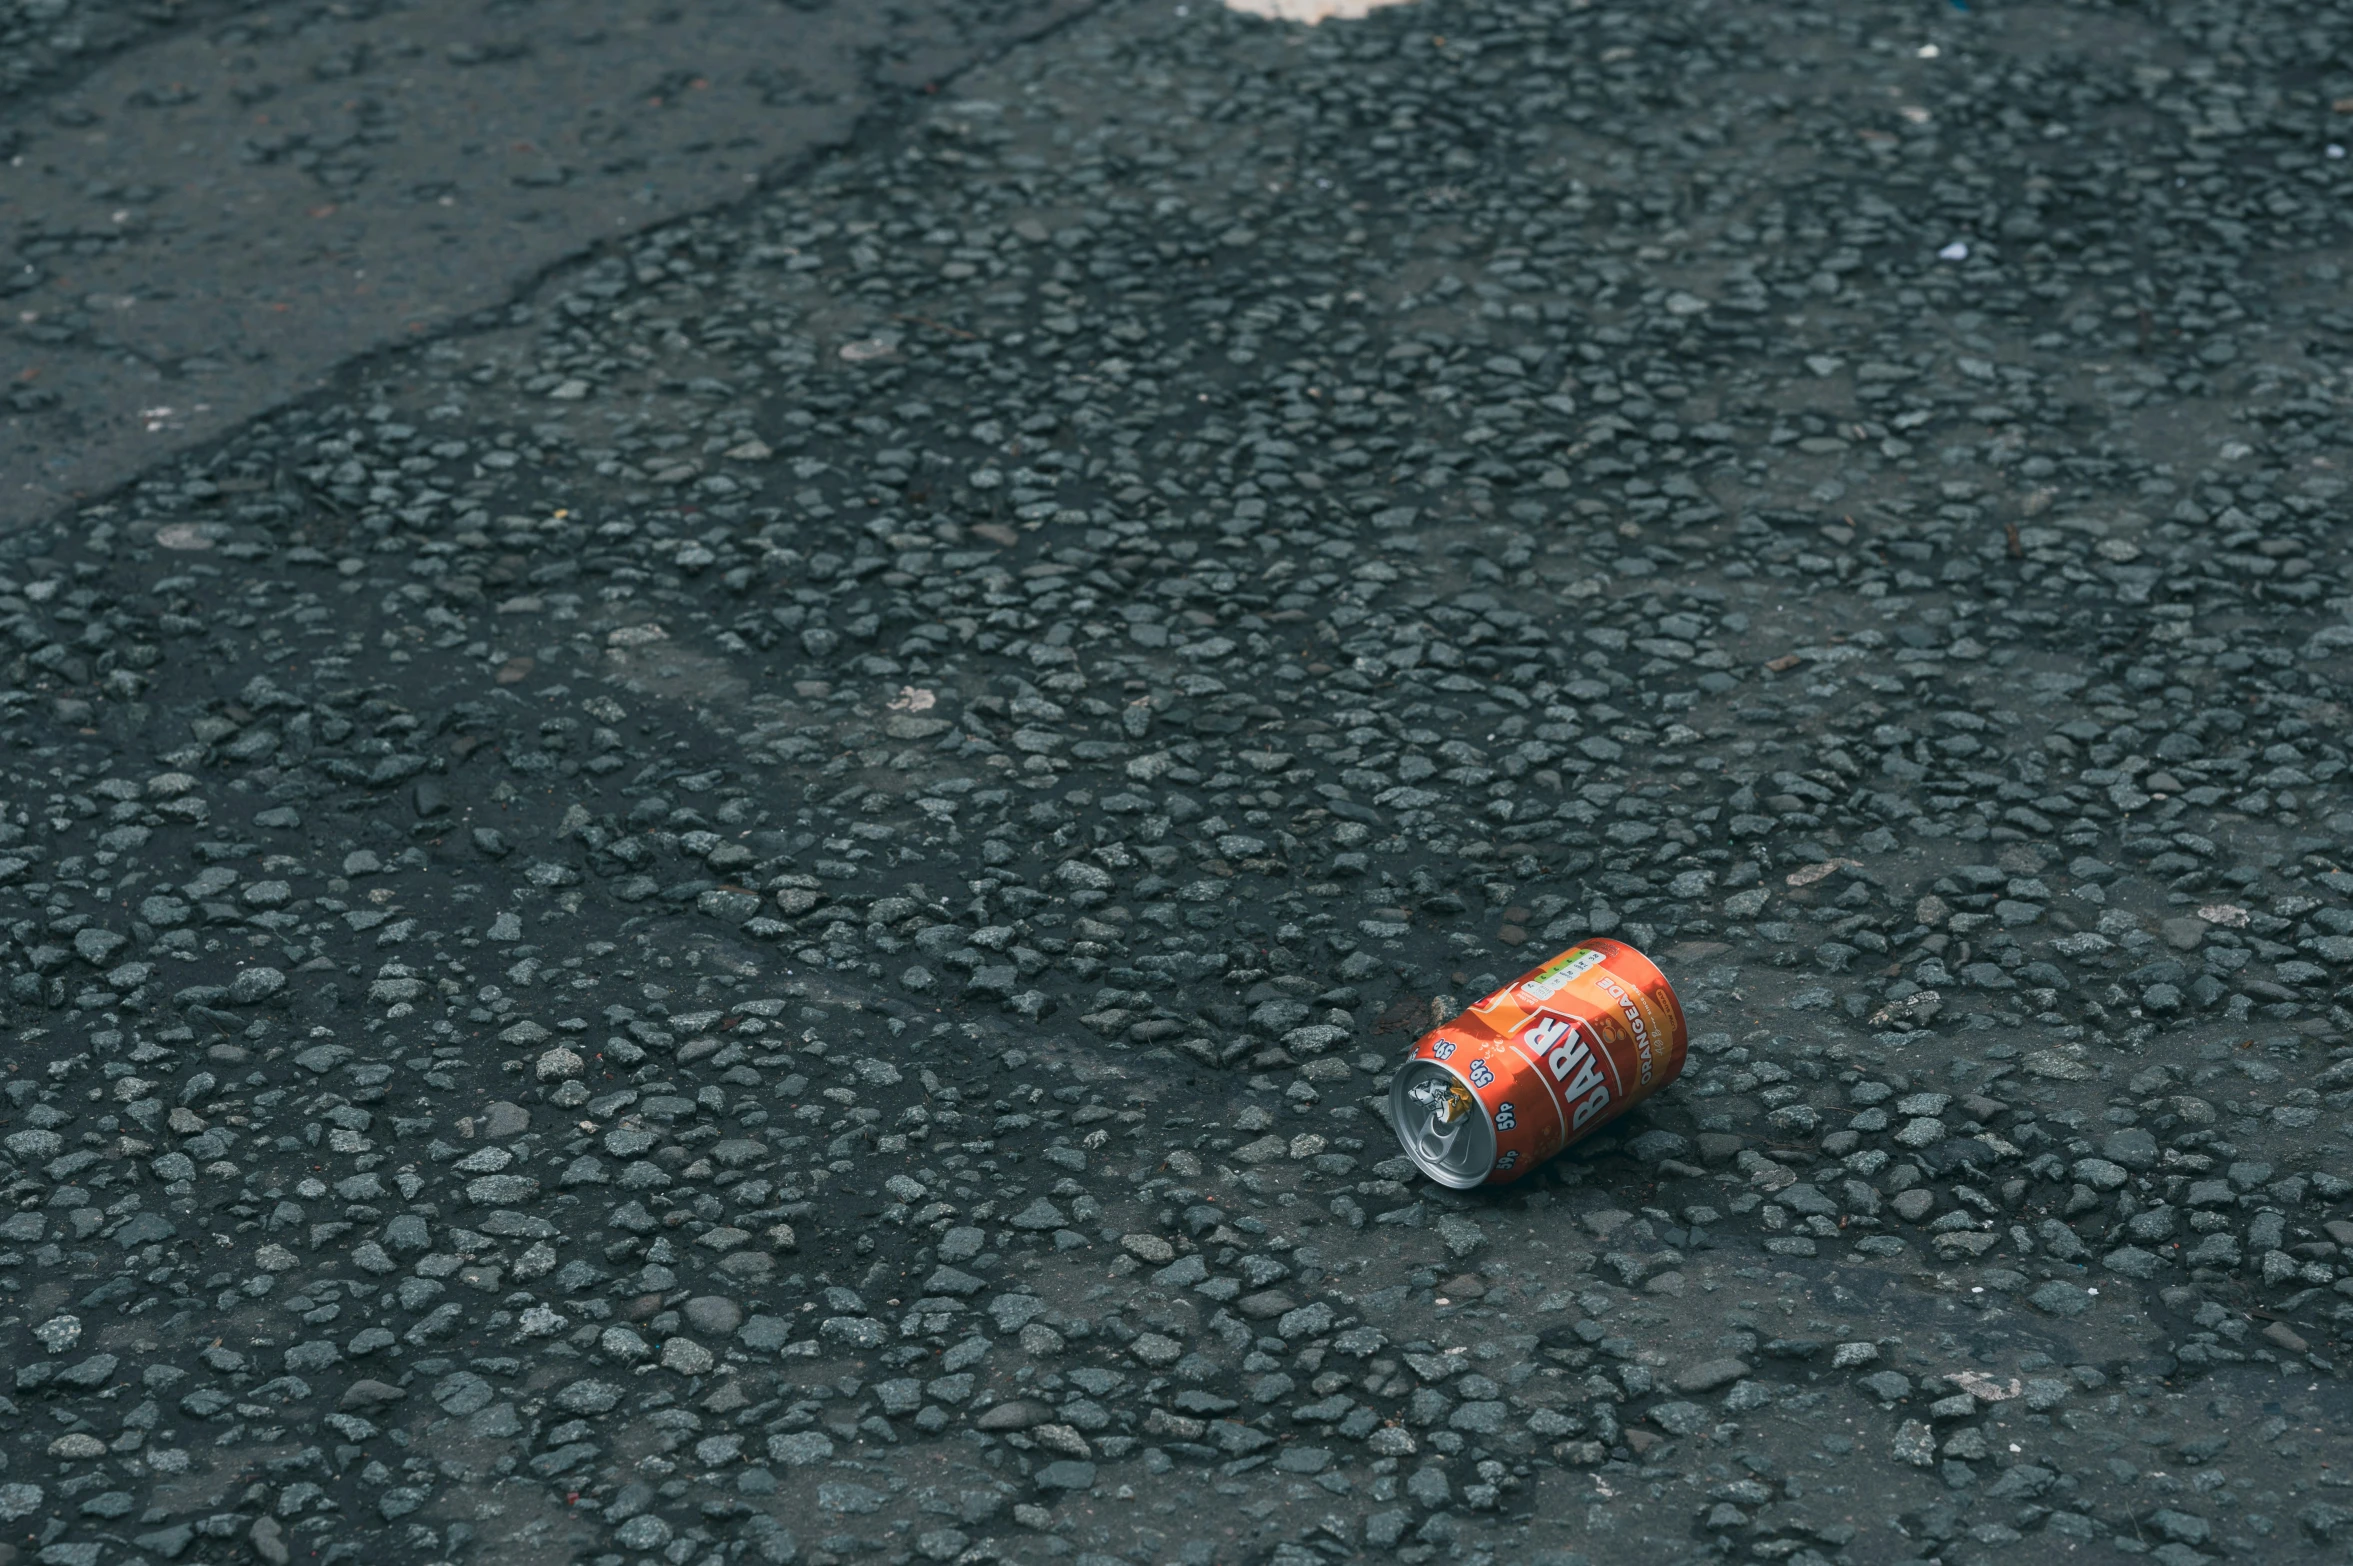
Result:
752,903
237,203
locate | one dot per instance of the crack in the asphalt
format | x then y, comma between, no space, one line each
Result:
111,383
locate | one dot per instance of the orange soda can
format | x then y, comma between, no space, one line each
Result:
1551,1057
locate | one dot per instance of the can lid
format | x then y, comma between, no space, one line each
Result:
1442,1125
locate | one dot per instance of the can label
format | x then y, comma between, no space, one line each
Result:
1553,1056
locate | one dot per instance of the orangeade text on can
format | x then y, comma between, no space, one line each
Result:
1554,1056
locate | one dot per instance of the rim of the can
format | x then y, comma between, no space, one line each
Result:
1452,1179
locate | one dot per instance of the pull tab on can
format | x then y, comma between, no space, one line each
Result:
1551,1057
1445,1129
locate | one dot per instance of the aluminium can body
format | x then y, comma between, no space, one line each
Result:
1551,1057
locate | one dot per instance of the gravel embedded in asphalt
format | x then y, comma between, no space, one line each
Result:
762,914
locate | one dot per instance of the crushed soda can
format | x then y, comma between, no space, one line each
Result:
1551,1057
